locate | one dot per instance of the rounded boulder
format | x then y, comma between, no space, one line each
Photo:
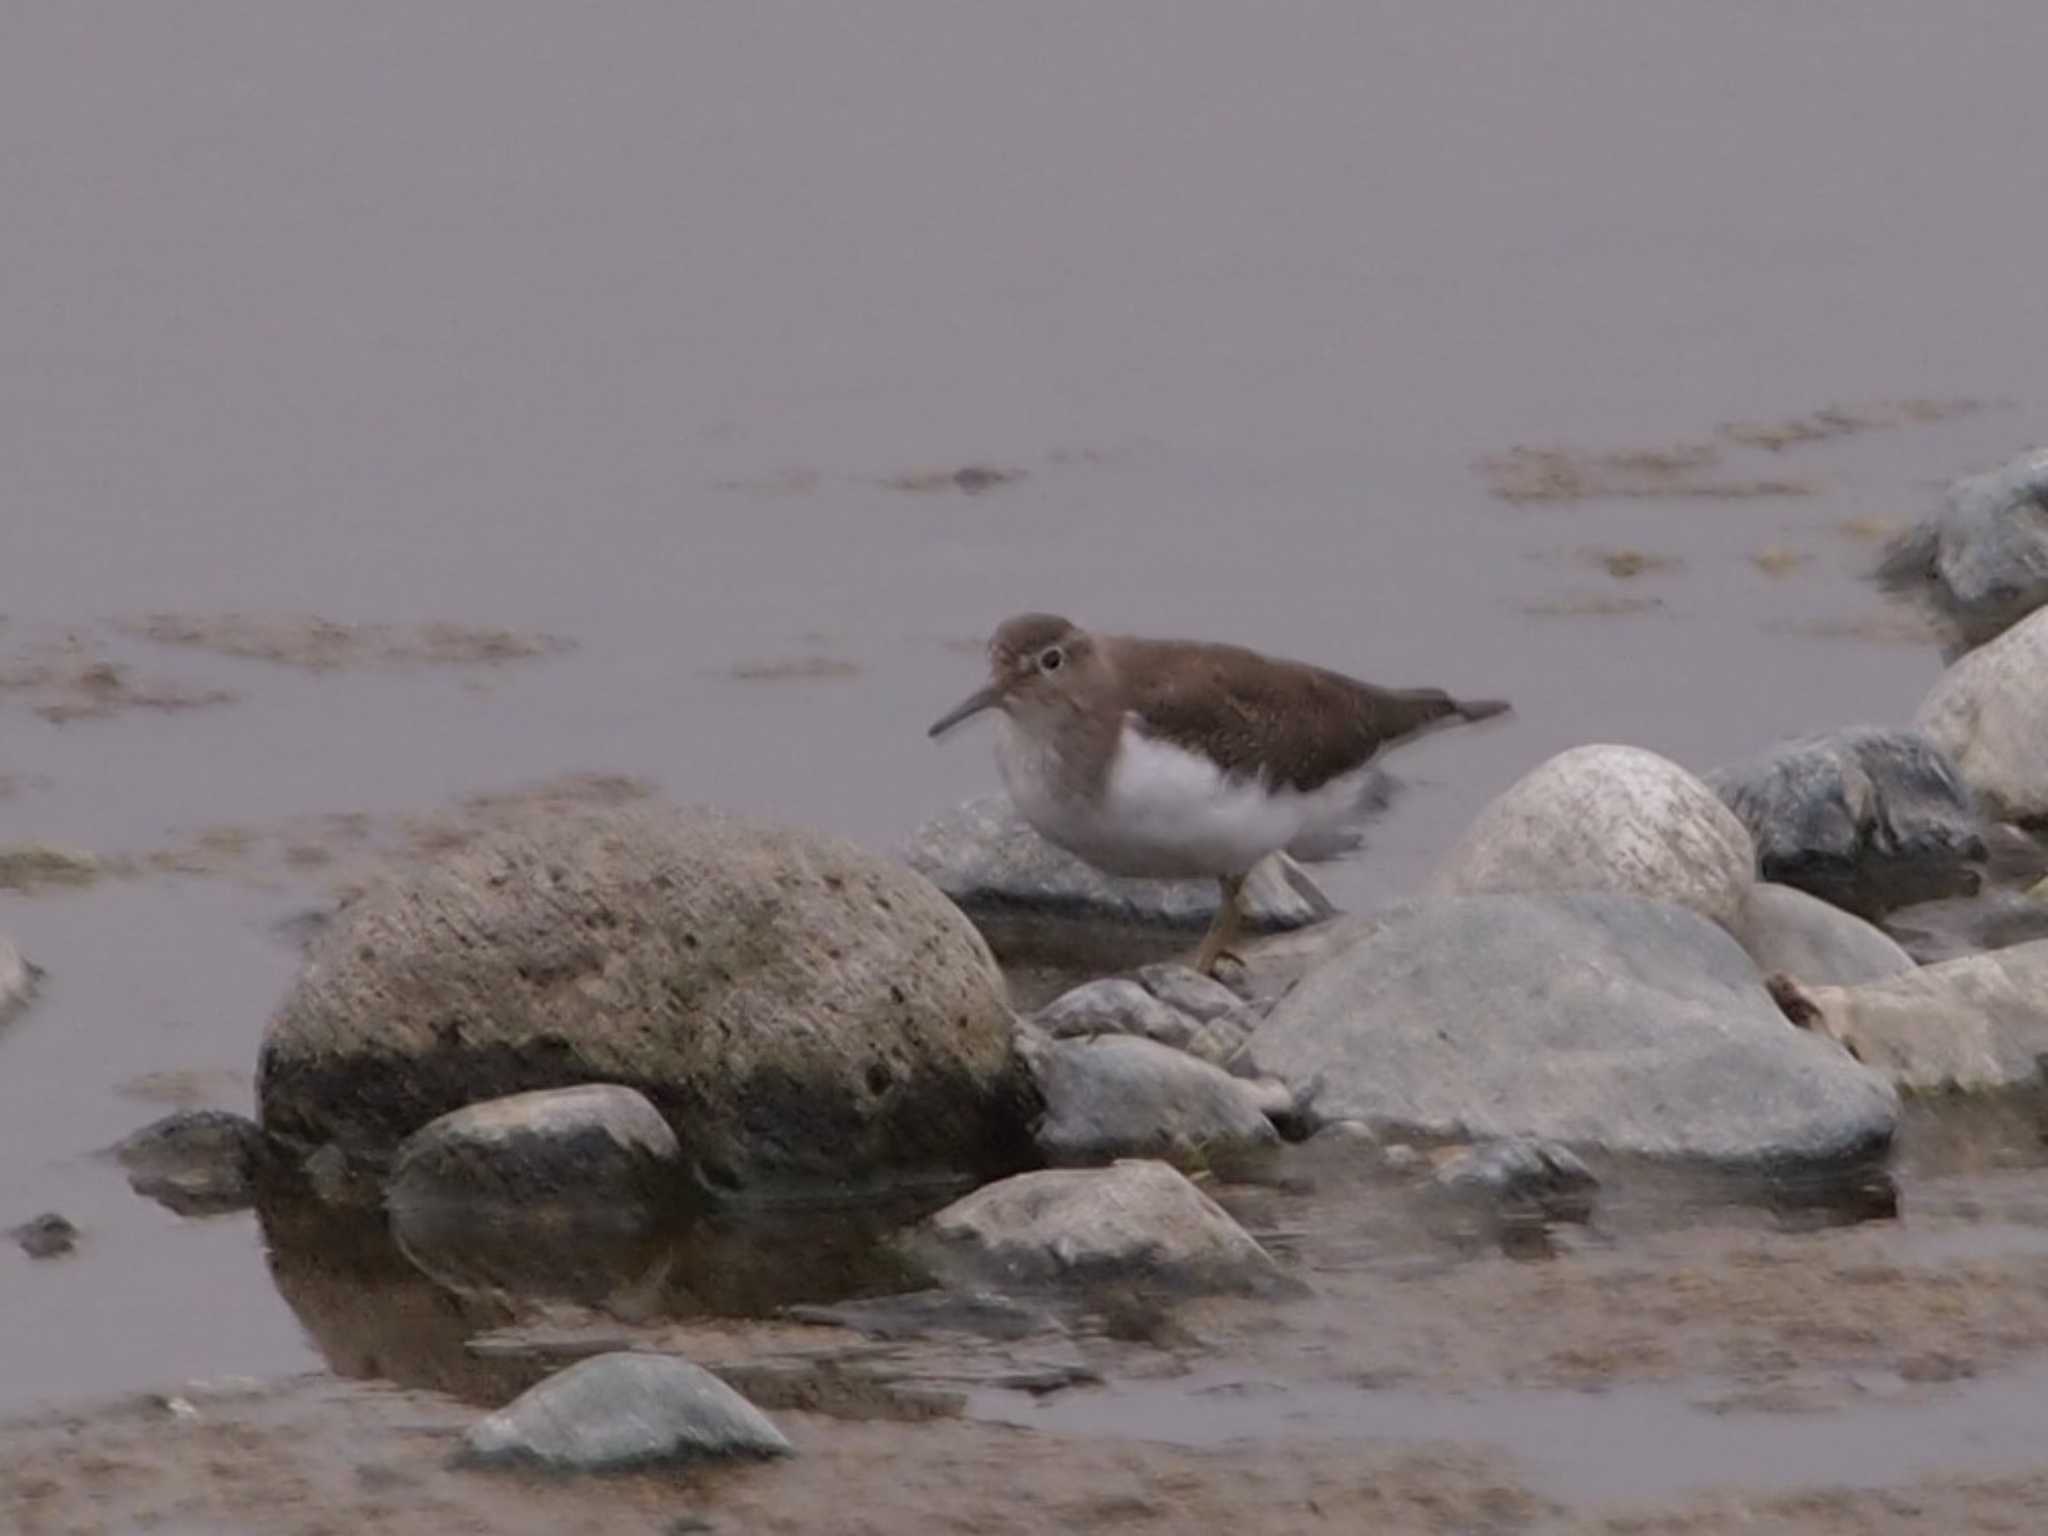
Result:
800,1011
1608,818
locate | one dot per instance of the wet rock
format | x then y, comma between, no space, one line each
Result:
1114,1006
1981,563
197,1162
1608,818
597,1144
1521,1179
1596,1020
1989,712
17,981
1028,896
1134,1222
617,1411
1186,990
1787,930
616,1258
805,1013
48,1236
1867,818
1118,1096
1977,1024
1947,930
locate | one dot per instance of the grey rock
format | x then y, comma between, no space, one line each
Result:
1972,1025
1119,1096
1135,1222
810,1014
1591,1019
18,981
1220,1041
197,1162
595,1144
1996,918
1186,990
623,1410
1787,930
47,1236
1011,881
1867,818
1607,818
1523,1178
1989,712
1982,561
1113,1006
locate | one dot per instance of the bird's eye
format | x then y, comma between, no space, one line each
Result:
1051,658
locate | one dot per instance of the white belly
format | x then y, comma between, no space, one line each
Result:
1170,813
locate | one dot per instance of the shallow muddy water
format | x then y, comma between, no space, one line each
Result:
664,333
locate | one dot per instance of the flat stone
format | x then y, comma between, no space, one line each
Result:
1010,880
1591,1019
1114,1006
1989,713
1995,918
1607,818
1787,930
1186,990
1974,1025
1134,1222
597,1143
1982,561
1118,1096
1868,819
623,1410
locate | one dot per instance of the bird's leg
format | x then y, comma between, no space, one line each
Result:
1223,932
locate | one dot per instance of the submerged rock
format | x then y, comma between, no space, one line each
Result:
1787,930
1989,712
47,1236
1117,1096
1591,1019
1982,561
1972,1025
801,1012
597,1144
623,1410
1135,1222
1536,1180
197,1162
1028,895
1867,818
1607,818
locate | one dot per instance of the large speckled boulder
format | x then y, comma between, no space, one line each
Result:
1608,818
1595,1020
800,1011
1867,818
1989,712
1982,562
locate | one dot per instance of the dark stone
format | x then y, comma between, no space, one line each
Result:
1868,818
197,1162
46,1237
1981,563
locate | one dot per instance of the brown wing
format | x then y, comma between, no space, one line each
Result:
1290,723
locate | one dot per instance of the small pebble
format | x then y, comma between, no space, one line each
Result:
46,1237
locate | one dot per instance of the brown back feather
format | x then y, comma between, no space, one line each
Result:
1286,722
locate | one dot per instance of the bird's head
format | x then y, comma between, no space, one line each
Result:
1039,664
